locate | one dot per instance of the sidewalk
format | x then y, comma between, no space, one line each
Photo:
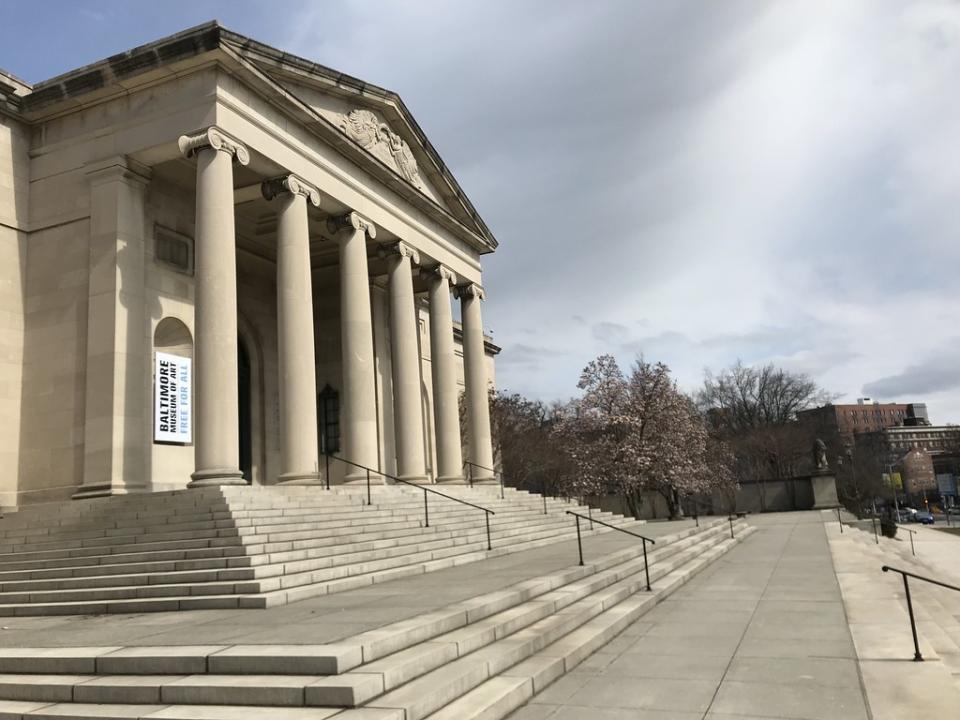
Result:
760,634
319,620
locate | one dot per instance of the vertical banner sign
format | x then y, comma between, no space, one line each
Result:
172,392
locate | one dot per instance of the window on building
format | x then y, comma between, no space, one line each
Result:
173,250
328,413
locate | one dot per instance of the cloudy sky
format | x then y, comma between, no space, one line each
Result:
694,181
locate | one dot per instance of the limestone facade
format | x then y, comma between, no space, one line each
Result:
288,228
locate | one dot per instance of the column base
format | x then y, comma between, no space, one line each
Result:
106,490
416,479
361,478
300,478
216,476
451,480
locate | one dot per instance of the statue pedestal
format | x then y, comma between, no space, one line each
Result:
824,487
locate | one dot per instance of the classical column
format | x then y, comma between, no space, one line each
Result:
475,379
407,399
298,378
216,424
356,339
443,362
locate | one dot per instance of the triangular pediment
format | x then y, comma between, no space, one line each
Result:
368,125
371,119
369,129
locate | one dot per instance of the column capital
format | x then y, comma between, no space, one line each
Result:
442,273
213,137
290,184
351,220
400,249
470,290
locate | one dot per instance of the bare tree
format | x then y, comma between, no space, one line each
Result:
530,453
744,397
754,410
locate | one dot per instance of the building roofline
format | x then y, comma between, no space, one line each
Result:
212,36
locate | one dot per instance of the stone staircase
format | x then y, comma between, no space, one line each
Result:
252,547
479,658
880,624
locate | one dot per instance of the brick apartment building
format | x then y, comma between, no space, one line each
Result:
845,421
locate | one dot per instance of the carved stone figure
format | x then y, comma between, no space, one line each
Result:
820,456
376,137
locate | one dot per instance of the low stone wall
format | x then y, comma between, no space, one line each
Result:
753,497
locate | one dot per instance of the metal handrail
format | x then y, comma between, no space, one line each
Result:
697,504
917,657
426,507
913,550
470,465
646,567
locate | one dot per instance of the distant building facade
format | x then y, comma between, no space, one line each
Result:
864,416
918,453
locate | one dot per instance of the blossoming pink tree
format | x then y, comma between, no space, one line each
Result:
637,433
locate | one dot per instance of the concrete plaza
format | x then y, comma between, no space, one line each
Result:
760,634
792,620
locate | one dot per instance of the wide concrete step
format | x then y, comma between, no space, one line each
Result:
255,547
307,585
217,537
258,593
44,539
412,668
506,689
343,549
502,525
491,614
74,711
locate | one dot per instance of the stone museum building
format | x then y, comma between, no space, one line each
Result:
222,263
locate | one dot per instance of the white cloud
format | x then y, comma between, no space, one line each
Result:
699,181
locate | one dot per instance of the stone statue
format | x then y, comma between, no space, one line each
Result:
376,137
820,456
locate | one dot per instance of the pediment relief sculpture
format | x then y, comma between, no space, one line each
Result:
376,137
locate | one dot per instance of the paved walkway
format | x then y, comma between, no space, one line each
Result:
760,634
876,610
318,620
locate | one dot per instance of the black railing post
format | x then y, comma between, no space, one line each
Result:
501,486
646,567
906,591
917,657
426,510
487,516
912,550
544,502
326,460
369,500
730,518
579,541
839,520
697,519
